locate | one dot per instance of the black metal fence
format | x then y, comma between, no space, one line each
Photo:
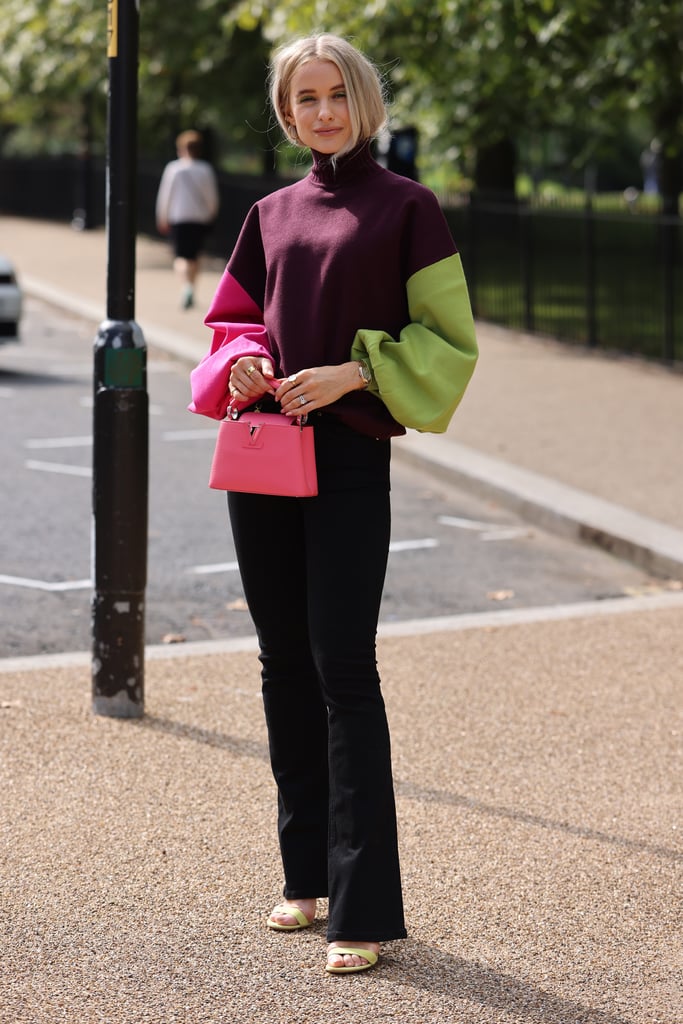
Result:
605,279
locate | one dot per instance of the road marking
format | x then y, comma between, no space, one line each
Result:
57,467
205,570
487,531
189,435
21,581
386,630
58,442
412,545
395,546
466,524
84,442
506,534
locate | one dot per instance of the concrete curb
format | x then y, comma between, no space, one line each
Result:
387,630
649,544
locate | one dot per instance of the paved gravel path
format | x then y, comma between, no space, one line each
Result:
538,772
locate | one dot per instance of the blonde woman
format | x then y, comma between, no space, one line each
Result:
352,256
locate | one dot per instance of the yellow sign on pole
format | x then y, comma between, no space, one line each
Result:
112,28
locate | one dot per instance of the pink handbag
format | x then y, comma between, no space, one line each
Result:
265,453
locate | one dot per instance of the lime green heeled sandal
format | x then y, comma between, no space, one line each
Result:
366,954
288,910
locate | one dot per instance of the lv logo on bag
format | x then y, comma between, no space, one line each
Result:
254,432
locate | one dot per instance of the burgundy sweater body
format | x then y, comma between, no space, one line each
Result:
332,254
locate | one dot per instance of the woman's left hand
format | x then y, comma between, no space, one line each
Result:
318,386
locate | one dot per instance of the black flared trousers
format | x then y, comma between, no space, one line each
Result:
313,571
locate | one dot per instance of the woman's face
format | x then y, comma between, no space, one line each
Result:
318,107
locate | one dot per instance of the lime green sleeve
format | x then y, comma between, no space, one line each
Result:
422,377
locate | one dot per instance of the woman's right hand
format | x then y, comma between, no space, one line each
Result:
250,378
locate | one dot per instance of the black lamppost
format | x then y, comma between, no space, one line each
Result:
120,419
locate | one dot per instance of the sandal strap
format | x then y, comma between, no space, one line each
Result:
365,954
285,910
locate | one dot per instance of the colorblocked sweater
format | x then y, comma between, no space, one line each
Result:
352,255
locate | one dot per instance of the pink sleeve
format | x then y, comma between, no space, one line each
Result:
243,334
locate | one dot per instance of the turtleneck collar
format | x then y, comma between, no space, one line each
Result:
349,167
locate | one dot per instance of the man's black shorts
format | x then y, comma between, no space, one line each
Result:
188,239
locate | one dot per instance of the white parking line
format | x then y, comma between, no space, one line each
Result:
466,524
57,467
506,534
21,581
413,545
395,546
58,442
486,531
205,570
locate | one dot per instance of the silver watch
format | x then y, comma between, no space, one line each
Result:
364,372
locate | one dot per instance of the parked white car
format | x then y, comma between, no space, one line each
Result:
10,301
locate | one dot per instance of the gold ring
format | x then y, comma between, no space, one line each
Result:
250,370
292,378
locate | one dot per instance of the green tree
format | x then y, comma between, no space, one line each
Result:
643,48
49,82
194,71
478,76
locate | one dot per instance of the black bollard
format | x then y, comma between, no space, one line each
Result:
120,468
120,419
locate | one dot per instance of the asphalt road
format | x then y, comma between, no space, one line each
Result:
451,552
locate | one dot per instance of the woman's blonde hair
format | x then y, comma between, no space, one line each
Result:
364,91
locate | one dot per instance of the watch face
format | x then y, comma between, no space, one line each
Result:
365,373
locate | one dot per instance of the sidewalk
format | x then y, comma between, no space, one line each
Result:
537,753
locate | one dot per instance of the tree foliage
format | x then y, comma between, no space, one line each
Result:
471,74
476,73
194,69
47,64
